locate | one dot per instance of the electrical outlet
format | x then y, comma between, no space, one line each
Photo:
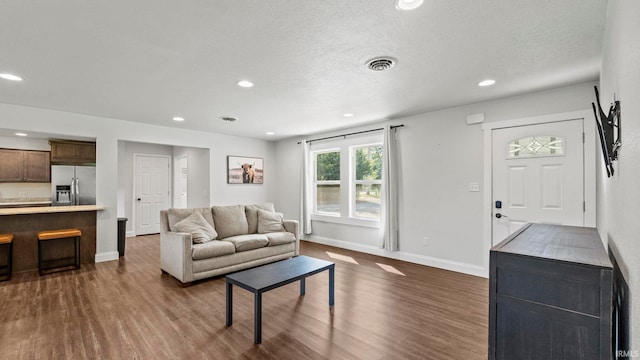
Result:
474,187
425,241
24,194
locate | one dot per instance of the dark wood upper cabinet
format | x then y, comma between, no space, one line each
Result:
24,166
11,165
65,152
37,167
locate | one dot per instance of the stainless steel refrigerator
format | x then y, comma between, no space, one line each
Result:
73,185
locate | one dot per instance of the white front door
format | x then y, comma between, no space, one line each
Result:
152,192
538,176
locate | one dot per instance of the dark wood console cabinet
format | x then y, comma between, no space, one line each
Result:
550,295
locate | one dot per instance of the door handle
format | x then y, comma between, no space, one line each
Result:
498,215
139,199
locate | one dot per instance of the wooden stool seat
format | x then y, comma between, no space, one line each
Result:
58,234
6,240
58,264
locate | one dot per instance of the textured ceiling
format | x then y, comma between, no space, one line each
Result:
150,60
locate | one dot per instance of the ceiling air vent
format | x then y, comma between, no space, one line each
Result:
381,63
228,118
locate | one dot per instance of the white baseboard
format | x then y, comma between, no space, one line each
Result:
130,233
456,266
107,256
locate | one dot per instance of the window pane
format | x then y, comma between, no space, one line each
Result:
368,201
328,199
369,163
533,146
328,166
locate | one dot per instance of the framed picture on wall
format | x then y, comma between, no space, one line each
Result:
245,170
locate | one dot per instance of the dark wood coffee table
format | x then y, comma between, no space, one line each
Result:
268,277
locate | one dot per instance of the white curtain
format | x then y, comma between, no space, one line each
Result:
306,189
389,201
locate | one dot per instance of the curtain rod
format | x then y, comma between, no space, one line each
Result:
353,133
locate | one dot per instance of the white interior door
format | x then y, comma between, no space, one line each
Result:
537,176
152,192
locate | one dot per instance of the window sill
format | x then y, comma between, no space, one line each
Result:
346,221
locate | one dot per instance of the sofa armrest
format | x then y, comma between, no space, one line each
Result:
175,255
292,227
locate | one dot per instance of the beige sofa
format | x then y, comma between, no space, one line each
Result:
245,236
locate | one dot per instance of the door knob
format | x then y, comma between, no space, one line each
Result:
498,215
139,199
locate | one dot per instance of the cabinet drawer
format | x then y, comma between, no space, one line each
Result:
529,331
558,284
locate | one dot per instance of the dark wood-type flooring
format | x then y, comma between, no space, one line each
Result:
127,310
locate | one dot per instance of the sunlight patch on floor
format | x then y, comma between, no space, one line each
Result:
342,257
391,269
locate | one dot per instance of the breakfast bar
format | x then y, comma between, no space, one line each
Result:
25,223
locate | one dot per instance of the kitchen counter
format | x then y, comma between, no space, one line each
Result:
49,209
25,223
26,203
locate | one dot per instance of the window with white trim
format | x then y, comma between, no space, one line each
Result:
367,181
347,177
327,182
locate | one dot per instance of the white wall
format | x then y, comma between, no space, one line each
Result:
440,155
197,176
619,196
108,132
24,143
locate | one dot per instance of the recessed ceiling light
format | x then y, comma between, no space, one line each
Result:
10,77
270,133
245,83
21,134
408,4
178,118
487,82
228,118
347,115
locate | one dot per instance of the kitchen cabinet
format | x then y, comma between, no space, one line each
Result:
550,295
66,152
24,166
37,167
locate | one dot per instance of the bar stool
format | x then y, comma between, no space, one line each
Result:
46,237
6,241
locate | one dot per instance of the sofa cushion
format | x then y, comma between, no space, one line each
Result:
252,215
279,238
248,242
230,220
175,215
212,249
201,231
269,222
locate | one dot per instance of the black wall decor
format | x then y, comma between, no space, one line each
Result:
606,125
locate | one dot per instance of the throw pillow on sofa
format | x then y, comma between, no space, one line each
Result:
230,220
269,222
175,215
201,231
252,215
